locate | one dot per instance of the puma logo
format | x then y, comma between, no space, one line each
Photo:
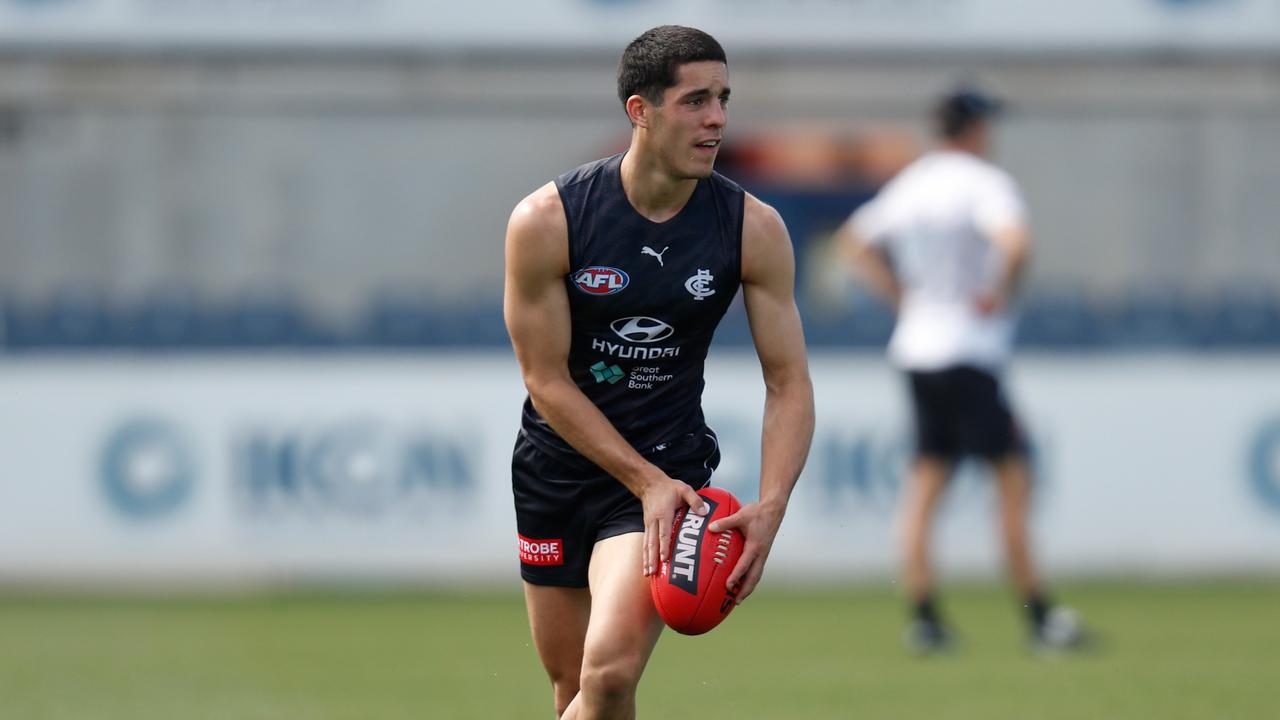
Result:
646,250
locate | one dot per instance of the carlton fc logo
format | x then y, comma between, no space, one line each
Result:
700,284
600,280
641,329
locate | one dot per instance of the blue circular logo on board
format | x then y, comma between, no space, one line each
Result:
1264,464
147,469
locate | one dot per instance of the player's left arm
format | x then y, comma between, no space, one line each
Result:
1014,244
768,287
1000,215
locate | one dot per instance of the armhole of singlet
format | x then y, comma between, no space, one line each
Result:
736,248
568,227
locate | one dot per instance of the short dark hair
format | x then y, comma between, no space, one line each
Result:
963,108
649,64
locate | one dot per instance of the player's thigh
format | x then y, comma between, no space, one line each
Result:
989,429
923,489
933,414
1013,482
558,618
624,625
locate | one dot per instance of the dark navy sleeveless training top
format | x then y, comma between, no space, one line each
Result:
644,300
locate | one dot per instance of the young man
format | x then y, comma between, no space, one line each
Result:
945,242
617,275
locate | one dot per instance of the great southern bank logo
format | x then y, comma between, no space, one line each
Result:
603,372
146,468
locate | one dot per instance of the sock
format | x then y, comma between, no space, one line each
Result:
1037,608
925,611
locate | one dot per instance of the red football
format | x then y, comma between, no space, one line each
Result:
689,590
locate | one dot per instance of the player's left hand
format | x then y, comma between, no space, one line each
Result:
758,524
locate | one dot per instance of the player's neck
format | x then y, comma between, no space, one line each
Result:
969,146
652,190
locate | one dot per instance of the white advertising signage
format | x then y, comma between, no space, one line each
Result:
229,471
894,25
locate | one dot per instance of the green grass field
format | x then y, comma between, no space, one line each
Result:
1172,650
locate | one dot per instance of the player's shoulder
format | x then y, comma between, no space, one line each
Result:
919,171
995,183
538,234
725,184
959,171
983,170
587,173
539,217
760,221
540,206
766,246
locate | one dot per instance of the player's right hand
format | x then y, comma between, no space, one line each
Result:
661,499
989,304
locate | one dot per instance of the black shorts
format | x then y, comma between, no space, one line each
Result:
564,506
961,411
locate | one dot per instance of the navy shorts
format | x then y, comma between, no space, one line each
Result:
565,505
961,411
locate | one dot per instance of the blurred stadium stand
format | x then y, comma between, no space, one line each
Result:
330,199
1059,320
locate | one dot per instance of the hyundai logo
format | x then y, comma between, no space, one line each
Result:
147,469
641,329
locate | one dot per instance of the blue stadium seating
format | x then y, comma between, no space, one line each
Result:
1060,319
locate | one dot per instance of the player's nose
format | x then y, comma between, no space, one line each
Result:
717,116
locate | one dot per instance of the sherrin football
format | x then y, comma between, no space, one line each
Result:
689,588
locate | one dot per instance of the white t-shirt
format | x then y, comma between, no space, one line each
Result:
935,219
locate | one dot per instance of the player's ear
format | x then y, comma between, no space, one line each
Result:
638,110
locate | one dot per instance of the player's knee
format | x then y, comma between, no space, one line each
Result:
563,675
564,681
1015,534
565,689
612,681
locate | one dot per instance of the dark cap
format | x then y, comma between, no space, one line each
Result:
961,108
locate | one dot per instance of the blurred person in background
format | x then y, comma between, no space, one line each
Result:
617,274
946,242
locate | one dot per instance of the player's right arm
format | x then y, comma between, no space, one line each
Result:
860,243
868,260
536,308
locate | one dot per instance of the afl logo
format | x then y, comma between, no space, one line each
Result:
600,280
641,329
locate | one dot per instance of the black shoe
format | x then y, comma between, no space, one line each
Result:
925,637
1060,632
